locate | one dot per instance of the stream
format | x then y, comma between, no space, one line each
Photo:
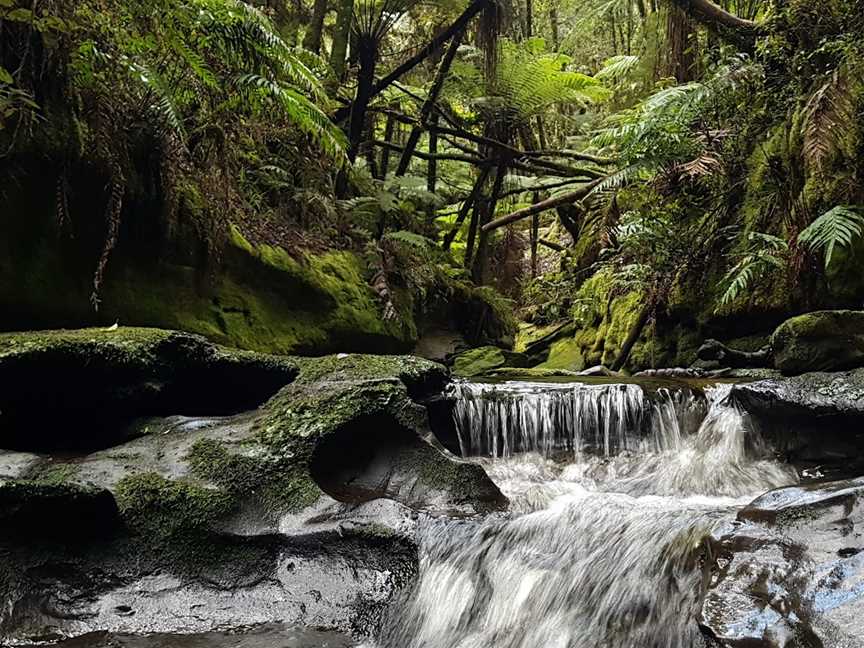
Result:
612,488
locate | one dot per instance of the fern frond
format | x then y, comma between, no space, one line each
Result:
617,67
828,114
840,226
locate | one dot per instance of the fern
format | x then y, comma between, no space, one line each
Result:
767,253
828,114
617,68
840,226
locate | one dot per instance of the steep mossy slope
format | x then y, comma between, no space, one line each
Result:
174,274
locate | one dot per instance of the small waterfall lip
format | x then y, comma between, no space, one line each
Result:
500,419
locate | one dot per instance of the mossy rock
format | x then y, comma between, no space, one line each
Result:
481,360
567,354
347,427
350,423
75,389
820,341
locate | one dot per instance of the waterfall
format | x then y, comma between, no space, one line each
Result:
502,419
602,545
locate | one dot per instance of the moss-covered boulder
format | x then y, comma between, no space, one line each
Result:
76,389
820,341
482,360
203,276
301,510
347,426
352,428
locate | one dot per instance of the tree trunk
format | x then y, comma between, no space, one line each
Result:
633,335
385,151
339,51
542,206
553,24
466,207
478,270
312,38
428,107
432,167
529,18
728,26
680,46
367,56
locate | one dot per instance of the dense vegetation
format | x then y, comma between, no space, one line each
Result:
647,172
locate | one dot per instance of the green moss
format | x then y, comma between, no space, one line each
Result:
479,361
567,354
274,480
54,473
161,508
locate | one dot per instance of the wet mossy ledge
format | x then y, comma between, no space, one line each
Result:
74,389
345,428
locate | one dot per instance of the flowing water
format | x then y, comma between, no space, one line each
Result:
612,488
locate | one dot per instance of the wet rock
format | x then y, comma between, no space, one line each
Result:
76,389
788,572
486,359
270,515
820,341
46,508
351,421
811,418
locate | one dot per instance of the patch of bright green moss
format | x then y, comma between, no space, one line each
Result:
275,480
159,507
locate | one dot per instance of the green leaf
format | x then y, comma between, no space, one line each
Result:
5,76
838,227
19,15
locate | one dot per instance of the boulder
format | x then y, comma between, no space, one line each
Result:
486,359
820,341
77,389
815,418
301,511
787,571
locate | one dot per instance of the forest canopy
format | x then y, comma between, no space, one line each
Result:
612,164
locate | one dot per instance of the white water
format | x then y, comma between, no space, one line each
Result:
600,550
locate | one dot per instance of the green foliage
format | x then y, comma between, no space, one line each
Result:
838,227
766,253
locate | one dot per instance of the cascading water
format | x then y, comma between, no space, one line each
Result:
602,548
502,419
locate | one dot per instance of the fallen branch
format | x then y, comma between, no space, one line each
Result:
439,156
542,206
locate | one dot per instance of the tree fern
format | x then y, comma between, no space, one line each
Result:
840,226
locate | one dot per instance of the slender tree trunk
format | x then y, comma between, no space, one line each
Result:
466,208
385,151
553,24
529,18
432,166
312,38
479,269
339,51
535,237
633,335
428,108
367,55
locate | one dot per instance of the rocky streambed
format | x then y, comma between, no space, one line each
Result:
156,489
